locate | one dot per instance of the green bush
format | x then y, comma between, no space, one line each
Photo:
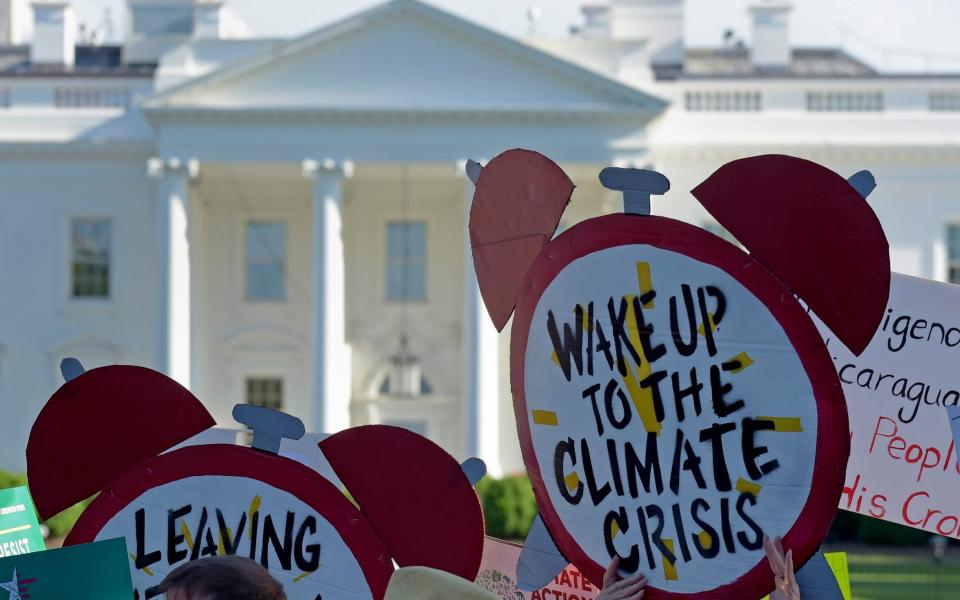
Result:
853,527
60,524
885,533
508,506
9,480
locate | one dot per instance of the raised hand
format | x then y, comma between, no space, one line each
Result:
630,588
782,566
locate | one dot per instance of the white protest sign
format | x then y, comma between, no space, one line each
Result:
903,462
674,404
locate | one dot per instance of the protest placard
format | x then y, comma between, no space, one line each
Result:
498,575
96,571
19,530
673,402
903,460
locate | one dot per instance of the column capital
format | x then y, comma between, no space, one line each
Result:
158,167
311,168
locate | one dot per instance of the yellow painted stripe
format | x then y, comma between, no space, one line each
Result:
784,424
614,529
644,281
254,508
572,481
554,358
706,540
744,359
144,569
302,575
14,529
713,326
748,486
545,417
669,568
220,547
642,398
585,321
186,534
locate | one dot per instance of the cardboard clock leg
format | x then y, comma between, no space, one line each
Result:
817,581
540,561
71,368
863,182
475,469
953,413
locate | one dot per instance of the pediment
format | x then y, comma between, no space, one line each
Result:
405,56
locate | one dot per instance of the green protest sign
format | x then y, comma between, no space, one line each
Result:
96,571
19,530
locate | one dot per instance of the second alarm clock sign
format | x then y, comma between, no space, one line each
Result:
671,406
674,401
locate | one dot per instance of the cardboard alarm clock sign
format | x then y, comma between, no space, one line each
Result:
674,401
223,499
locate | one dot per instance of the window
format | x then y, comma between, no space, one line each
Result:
90,241
90,97
953,253
407,260
946,101
845,101
266,392
266,258
723,101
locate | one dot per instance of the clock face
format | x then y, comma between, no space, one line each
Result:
189,504
674,405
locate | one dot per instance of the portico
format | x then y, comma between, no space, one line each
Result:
343,166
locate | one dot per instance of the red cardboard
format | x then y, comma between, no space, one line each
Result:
519,199
814,231
101,424
415,495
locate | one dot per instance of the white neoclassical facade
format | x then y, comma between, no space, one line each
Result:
282,221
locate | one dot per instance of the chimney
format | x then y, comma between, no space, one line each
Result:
208,19
54,33
596,19
12,15
770,47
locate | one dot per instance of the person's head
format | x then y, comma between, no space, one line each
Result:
221,578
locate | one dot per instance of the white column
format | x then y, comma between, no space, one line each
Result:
174,264
481,364
331,353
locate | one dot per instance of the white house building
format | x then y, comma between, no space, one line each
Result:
282,221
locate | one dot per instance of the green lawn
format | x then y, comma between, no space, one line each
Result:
894,574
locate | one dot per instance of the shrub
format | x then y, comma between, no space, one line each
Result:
853,527
508,506
885,533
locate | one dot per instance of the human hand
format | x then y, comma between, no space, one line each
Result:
782,566
630,588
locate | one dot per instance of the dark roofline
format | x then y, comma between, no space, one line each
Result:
58,71
91,61
675,71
